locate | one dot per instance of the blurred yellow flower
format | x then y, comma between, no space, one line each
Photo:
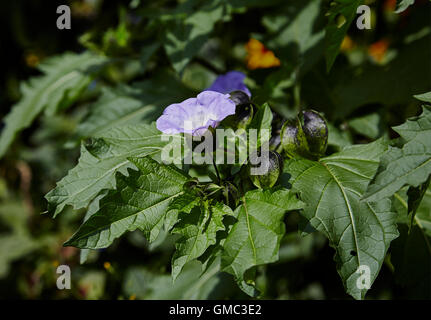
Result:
107,265
32,60
347,44
260,57
378,50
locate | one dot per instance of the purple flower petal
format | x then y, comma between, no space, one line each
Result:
231,81
195,115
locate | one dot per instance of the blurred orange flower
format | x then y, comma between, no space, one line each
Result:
378,50
390,5
260,57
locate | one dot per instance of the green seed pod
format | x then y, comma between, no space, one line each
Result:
244,111
243,115
273,167
190,185
293,139
316,132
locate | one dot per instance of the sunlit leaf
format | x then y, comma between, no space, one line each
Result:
140,202
360,232
255,238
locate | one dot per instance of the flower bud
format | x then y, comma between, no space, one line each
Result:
316,132
239,97
293,139
273,167
244,110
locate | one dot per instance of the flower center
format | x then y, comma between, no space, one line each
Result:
201,118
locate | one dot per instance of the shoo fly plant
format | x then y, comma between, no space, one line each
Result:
233,217
241,170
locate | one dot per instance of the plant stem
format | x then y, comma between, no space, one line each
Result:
216,170
297,96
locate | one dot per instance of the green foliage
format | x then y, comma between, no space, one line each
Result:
140,103
409,165
190,285
425,97
341,15
17,243
185,37
360,232
255,238
99,162
262,123
64,79
368,125
140,202
402,5
198,230
149,230
293,37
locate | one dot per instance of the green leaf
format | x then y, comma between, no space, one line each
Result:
338,138
260,122
255,238
140,202
17,242
198,229
92,208
409,165
341,15
415,196
296,33
425,97
368,126
114,108
12,247
185,37
126,105
183,203
190,285
262,119
65,77
332,188
423,213
402,5
100,161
